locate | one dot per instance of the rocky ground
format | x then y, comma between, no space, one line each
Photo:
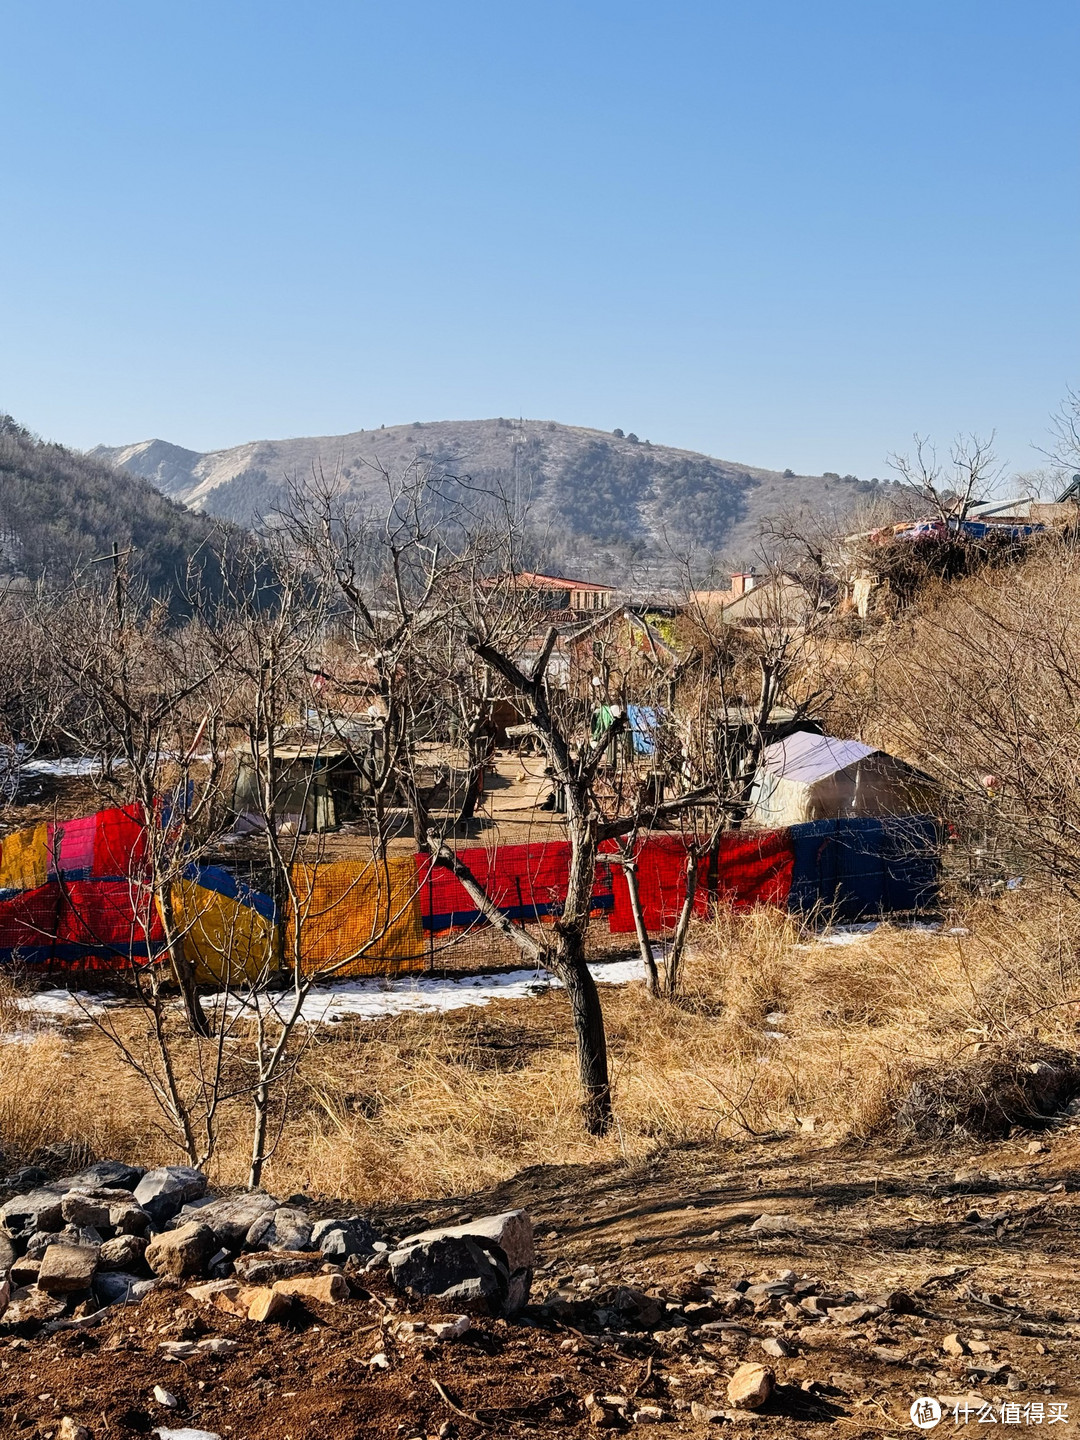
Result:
856,1280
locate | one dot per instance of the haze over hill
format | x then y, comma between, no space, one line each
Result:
589,492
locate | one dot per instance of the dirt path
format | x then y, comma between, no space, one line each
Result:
979,1243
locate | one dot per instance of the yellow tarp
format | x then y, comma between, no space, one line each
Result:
358,917
226,942
24,859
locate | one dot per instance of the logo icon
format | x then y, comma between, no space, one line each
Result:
925,1412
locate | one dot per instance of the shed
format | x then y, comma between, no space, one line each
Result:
818,777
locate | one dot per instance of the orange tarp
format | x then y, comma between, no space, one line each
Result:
357,917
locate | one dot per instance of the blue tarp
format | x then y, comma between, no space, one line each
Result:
854,869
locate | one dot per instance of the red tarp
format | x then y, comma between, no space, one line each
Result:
109,916
753,868
661,872
526,882
28,922
107,845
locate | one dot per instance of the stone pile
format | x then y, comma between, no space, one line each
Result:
112,1233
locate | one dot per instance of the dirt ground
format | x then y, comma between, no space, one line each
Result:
976,1242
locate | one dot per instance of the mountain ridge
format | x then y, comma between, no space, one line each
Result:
591,487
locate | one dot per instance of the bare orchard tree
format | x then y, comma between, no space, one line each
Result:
140,696
279,643
738,686
950,488
981,689
499,626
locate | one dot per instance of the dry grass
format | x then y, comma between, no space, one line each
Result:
773,1030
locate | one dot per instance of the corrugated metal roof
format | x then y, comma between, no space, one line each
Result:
805,758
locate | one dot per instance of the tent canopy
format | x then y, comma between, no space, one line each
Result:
819,777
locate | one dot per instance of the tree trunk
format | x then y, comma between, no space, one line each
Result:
645,950
570,966
182,969
261,1100
678,940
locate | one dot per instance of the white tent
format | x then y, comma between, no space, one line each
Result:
818,777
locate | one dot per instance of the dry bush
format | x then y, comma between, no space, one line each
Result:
775,1027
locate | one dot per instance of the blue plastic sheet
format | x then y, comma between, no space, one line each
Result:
860,868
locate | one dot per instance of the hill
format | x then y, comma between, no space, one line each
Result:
589,492
60,509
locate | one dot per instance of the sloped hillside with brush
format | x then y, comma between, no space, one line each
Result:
59,510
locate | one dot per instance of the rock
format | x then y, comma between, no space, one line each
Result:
180,1252
705,1413
779,1348
165,1397
218,1345
105,1174
456,1269
123,1252
24,1271
208,1293
39,1243
888,1354
485,1263
452,1329
220,1265
28,1175
78,1208
231,1217
71,1430
67,1269
114,1287
162,1193
128,1218
955,1346
773,1290
26,1215
644,1311
379,1361
141,1288
178,1349
283,1229
338,1239
7,1255
776,1225
647,1415
30,1307
726,1329
186,1434
266,1303
85,1235
329,1289
854,1314
266,1268
901,1303
511,1232
750,1386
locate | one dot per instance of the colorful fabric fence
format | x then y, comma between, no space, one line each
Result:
89,924
73,893
860,868
227,929
108,845
357,917
526,882
24,860
661,875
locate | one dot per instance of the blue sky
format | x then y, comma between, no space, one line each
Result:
783,233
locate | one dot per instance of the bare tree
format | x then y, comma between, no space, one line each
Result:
950,488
